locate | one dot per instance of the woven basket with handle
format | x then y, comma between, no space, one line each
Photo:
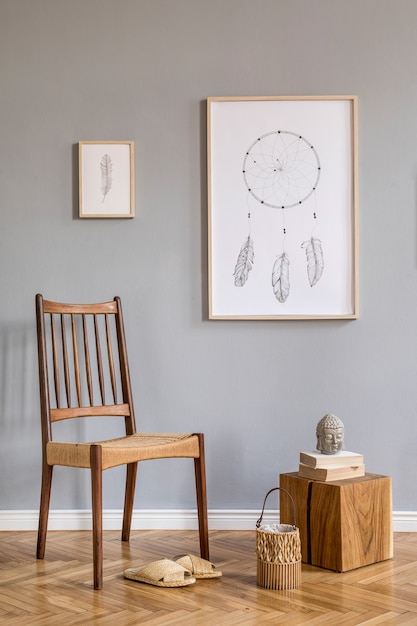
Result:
278,552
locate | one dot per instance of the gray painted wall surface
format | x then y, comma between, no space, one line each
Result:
142,70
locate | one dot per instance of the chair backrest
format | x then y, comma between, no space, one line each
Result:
83,364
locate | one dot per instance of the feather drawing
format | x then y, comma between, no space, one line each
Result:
281,277
106,167
315,261
244,263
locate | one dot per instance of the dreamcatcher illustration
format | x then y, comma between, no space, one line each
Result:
281,170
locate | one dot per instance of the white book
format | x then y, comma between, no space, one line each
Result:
328,474
344,458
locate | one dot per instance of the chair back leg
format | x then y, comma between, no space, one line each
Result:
201,489
131,471
44,509
97,513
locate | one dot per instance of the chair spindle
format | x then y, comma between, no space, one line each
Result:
55,363
87,362
76,360
65,359
99,361
111,360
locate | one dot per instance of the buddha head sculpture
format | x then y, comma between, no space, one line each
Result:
330,434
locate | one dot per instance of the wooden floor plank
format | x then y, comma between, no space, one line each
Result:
59,589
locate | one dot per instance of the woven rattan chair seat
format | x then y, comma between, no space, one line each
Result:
137,447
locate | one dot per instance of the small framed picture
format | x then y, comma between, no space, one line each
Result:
106,179
282,198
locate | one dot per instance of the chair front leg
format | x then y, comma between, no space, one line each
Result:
97,513
201,489
131,471
44,508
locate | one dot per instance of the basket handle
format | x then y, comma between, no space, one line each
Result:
259,521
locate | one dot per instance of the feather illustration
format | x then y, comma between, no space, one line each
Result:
106,167
315,261
244,263
281,277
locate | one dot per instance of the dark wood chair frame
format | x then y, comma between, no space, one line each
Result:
62,408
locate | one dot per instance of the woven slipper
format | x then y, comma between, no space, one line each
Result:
200,568
163,573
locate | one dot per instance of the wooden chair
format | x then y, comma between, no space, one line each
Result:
84,371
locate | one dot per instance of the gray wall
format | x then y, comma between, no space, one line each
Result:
142,70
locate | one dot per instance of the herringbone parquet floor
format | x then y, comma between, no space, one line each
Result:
59,589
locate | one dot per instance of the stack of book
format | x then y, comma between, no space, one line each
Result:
328,467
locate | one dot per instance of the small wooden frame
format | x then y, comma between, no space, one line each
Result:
106,179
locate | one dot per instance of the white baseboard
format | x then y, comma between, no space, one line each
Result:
169,519
405,521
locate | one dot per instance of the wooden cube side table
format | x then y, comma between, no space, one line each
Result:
343,524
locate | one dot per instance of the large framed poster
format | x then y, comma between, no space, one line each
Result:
282,197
